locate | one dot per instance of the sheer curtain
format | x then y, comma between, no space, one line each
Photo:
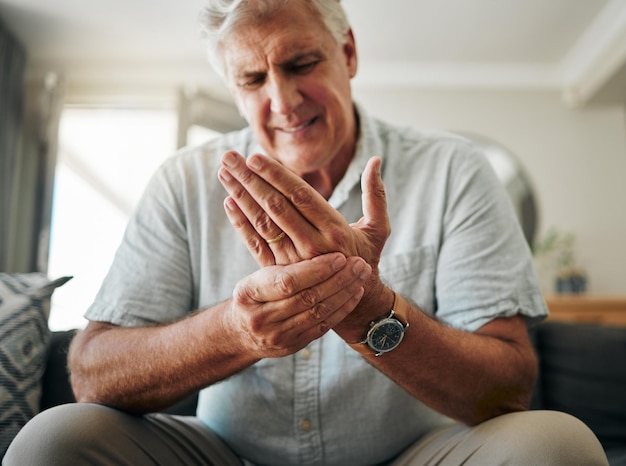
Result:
12,66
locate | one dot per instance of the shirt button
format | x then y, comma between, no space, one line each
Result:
305,424
306,354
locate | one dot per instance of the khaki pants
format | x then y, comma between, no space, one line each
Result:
85,434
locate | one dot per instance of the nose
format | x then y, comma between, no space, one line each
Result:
284,95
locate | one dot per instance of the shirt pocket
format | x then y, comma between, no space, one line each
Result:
412,275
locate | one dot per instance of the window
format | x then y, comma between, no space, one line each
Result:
105,159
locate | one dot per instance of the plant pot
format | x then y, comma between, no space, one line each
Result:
574,284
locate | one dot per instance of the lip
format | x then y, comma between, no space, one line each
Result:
297,128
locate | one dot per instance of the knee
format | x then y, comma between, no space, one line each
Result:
58,435
551,437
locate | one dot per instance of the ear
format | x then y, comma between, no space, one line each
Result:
349,50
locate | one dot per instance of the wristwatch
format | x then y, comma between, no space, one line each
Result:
386,334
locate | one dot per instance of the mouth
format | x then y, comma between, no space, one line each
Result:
295,129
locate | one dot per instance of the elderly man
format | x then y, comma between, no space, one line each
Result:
373,312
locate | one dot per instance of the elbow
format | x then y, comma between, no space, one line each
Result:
84,392
509,396
499,404
85,386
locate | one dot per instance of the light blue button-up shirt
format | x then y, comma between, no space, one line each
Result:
455,250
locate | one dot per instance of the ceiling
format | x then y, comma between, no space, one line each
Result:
575,46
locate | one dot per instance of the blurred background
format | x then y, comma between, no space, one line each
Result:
96,94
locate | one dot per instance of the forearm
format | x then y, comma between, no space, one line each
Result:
470,377
274,312
147,369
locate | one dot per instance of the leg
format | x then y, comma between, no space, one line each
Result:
524,438
97,435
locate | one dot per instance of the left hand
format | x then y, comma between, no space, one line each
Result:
267,200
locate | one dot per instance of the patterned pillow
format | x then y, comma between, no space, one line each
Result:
24,335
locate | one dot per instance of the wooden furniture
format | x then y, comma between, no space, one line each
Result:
583,308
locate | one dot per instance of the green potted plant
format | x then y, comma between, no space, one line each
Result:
558,248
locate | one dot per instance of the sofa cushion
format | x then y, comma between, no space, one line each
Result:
24,308
583,373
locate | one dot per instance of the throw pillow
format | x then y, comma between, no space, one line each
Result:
24,335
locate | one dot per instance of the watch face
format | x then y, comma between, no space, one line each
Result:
385,335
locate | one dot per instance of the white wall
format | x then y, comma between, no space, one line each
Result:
576,159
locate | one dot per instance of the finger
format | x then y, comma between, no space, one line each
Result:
311,313
307,202
283,326
260,200
279,241
336,299
374,224
320,328
257,246
279,282
374,198
257,217
317,302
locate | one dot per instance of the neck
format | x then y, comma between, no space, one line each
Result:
325,180
322,182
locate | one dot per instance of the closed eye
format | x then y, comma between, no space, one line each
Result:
304,68
252,81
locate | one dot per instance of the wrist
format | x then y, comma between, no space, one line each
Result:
375,304
383,335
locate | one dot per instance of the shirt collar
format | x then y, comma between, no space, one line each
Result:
367,146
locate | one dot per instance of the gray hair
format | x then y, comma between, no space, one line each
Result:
219,17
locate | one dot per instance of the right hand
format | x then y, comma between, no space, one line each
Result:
280,309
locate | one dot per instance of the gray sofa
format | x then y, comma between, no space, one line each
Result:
582,372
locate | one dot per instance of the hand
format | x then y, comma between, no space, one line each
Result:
280,309
267,200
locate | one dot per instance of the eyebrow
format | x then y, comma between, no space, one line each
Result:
285,63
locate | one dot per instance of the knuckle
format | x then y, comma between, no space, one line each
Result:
255,322
246,293
308,298
318,311
240,294
246,176
255,245
301,196
323,327
339,236
285,282
263,223
239,193
276,204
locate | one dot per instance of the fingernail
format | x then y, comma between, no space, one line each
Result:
255,161
362,269
224,175
229,204
339,262
229,159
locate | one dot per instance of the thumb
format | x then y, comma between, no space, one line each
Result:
374,199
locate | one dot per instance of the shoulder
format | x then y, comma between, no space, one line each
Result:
406,144
191,173
200,161
209,152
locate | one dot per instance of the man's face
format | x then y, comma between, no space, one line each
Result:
291,81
